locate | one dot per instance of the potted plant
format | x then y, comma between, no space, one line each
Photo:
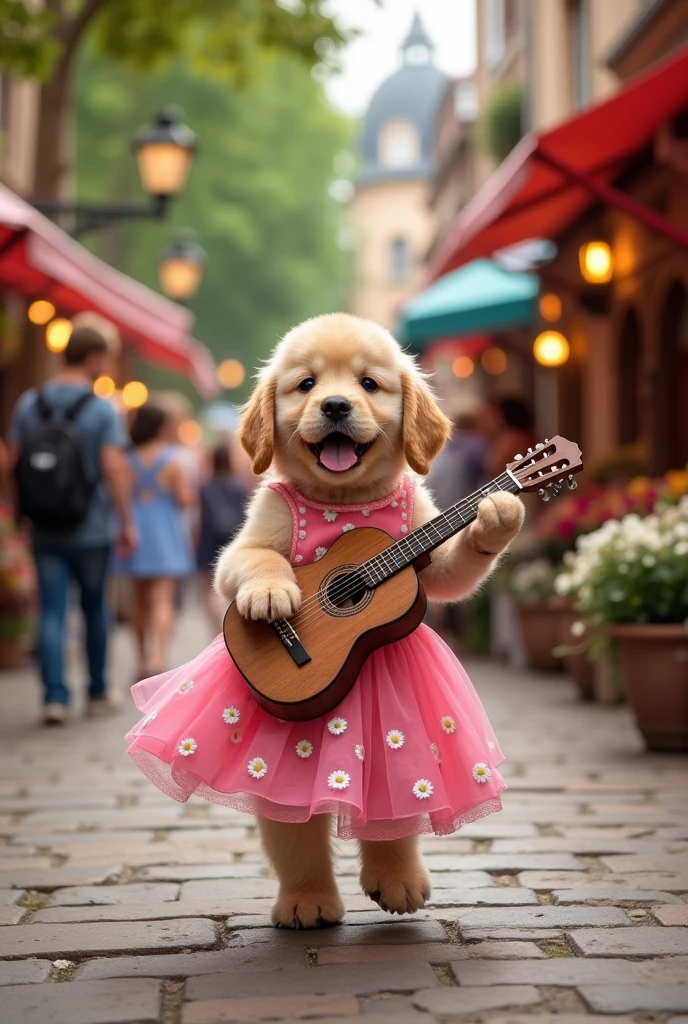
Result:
17,592
531,586
630,583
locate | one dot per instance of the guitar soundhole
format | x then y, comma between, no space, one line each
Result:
343,592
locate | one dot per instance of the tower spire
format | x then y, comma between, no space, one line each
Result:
417,47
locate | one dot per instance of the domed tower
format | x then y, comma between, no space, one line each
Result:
394,224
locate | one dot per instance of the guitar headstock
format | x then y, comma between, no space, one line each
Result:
544,467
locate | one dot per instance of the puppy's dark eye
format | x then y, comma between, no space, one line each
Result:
307,384
368,384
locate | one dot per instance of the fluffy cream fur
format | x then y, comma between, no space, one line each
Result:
407,430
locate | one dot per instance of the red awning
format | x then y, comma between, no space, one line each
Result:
539,190
40,261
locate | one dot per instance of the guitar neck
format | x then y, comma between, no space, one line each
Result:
428,537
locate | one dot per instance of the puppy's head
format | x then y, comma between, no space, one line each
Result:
340,408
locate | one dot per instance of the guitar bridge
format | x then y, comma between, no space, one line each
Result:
291,641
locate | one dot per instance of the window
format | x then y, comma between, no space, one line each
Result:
398,145
466,101
494,35
580,52
400,260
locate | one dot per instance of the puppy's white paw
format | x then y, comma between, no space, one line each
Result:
307,909
500,517
279,599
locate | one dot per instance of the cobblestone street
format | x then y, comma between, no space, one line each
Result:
119,906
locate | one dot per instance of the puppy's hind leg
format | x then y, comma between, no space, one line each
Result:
301,855
394,875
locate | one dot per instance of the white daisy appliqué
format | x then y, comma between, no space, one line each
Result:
302,522
330,515
185,687
302,510
365,512
304,748
187,747
448,724
298,558
347,527
235,736
435,751
395,739
423,789
257,768
395,504
337,726
319,552
338,780
231,715
359,751
481,773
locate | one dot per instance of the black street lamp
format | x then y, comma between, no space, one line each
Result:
164,152
180,267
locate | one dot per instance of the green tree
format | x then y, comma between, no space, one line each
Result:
502,122
257,196
222,36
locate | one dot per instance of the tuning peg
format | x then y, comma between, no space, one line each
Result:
556,488
542,493
517,457
539,446
572,484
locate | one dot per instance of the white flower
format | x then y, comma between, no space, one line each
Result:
304,748
435,751
395,504
404,528
337,726
330,515
577,628
319,552
187,747
448,724
365,511
681,548
423,789
338,780
481,773
231,715
298,558
302,522
63,965
302,534
235,736
347,527
359,750
257,768
302,510
185,687
648,561
395,739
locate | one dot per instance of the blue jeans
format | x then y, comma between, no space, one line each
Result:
56,569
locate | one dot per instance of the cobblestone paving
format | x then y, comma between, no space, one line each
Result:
118,906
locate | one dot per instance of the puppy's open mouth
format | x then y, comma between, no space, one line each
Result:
339,452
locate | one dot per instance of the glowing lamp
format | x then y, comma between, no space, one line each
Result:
180,268
463,366
549,306
164,151
134,394
551,348
190,432
104,387
596,262
494,361
57,334
40,312
231,373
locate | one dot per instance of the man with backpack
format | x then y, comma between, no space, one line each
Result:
70,477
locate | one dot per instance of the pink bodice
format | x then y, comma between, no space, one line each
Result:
317,526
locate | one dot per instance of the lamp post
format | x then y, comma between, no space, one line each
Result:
180,267
164,152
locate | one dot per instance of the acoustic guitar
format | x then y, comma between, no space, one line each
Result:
365,593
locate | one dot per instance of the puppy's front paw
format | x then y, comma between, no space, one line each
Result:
279,599
500,517
307,910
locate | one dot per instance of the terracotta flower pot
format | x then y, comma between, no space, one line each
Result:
11,651
577,666
540,634
654,663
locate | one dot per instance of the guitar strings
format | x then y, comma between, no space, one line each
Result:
347,588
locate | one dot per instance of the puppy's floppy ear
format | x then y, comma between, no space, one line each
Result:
257,426
426,429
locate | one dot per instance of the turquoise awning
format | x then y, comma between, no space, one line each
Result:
478,297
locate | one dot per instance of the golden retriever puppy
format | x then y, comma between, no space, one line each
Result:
341,413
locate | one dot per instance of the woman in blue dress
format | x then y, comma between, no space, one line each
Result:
163,554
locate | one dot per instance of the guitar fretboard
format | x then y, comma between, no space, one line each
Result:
428,537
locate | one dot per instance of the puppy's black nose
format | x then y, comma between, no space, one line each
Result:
336,408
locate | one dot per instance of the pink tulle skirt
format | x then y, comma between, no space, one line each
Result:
409,750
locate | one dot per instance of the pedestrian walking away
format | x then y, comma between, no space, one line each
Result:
222,500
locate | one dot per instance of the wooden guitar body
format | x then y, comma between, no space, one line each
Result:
337,638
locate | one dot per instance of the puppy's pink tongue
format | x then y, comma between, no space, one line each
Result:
338,453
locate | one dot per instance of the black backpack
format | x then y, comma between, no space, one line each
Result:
224,512
53,488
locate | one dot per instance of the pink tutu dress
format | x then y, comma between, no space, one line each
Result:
409,750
